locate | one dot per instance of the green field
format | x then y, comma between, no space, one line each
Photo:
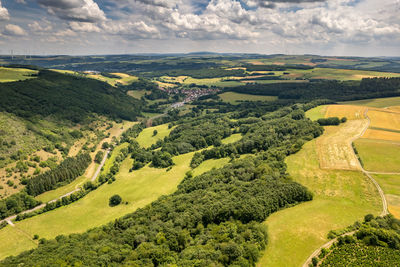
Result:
232,139
138,188
137,93
14,74
146,137
234,98
316,113
212,81
340,198
376,102
379,155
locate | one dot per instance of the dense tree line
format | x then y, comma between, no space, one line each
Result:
276,67
201,73
334,90
66,97
17,203
67,171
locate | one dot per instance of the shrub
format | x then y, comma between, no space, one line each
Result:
115,200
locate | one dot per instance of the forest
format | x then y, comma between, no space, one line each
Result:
66,97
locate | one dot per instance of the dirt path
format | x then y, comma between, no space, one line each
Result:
368,174
11,218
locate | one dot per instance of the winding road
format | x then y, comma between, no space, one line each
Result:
366,173
94,177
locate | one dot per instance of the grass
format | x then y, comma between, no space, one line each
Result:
15,74
124,79
379,155
146,137
137,188
376,102
232,139
382,135
234,98
212,81
210,164
340,198
137,93
390,184
316,113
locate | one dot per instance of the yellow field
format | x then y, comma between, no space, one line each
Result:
395,108
382,118
350,112
334,146
381,135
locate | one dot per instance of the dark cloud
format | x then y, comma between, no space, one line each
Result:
74,10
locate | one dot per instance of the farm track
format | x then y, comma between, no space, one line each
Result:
11,218
366,173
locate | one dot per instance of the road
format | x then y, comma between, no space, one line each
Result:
368,174
94,177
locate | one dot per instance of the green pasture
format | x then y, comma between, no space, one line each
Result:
137,93
146,138
379,155
232,138
16,74
316,113
340,198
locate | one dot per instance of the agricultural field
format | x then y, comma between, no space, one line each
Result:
235,98
147,138
382,135
317,112
340,198
379,155
334,146
219,82
16,74
124,79
384,119
232,138
375,102
390,184
350,112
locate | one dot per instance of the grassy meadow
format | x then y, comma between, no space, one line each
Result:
316,113
390,184
16,74
379,155
146,137
376,102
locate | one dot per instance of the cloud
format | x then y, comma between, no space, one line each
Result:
4,13
83,27
272,3
74,10
14,30
38,27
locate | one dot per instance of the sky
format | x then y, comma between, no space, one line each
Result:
89,27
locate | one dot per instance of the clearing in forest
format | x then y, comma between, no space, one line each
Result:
334,146
147,138
16,74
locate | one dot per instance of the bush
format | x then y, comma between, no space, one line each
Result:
115,200
329,121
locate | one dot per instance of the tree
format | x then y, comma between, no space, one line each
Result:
105,145
99,157
155,132
115,200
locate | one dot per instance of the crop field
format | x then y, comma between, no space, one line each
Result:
316,113
340,198
234,98
14,74
350,112
334,146
212,81
384,119
376,102
124,78
146,138
390,184
382,135
379,155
